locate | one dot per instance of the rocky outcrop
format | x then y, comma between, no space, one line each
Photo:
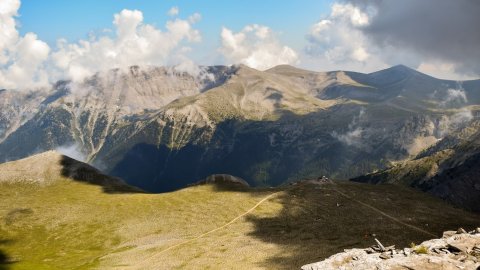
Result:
455,250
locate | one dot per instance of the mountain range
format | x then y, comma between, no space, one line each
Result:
161,129
59,213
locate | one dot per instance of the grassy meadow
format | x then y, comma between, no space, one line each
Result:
74,225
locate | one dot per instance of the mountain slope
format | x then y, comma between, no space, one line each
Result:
267,127
43,168
449,169
74,224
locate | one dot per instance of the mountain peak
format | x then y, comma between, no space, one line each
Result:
394,74
401,67
397,70
287,69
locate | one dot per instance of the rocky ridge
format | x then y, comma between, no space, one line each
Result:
455,250
161,129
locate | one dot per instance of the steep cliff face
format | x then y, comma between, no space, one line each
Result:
162,129
17,108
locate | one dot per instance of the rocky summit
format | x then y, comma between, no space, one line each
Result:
455,250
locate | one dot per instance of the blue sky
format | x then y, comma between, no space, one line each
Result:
437,37
73,20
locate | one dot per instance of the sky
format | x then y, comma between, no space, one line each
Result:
44,41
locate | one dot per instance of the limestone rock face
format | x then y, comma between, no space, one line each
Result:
453,251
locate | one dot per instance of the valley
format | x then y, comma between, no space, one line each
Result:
269,135
161,129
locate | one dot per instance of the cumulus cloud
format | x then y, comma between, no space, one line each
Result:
21,57
173,11
337,40
436,29
255,46
436,36
337,37
26,61
135,43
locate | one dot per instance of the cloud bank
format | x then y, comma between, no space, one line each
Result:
27,62
440,37
134,43
21,57
255,46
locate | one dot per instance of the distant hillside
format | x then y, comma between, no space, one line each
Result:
46,168
161,130
449,169
60,222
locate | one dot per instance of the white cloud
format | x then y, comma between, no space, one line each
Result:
346,39
26,61
444,70
337,38
135,43
351,137
354,135
255,46
196,17
455,96
448,124
73,151
173,11
8,33
21,58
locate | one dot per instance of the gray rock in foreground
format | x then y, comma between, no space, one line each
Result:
454,251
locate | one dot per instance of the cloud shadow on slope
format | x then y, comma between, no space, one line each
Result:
82,172
316,222
5,260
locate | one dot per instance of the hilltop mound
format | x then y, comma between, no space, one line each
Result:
48,167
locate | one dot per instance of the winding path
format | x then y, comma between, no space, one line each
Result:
271,196
383,213
221,227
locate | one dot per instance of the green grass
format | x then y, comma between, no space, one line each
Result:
419,249
72,225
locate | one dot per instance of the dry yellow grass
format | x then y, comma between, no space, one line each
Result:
75,225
